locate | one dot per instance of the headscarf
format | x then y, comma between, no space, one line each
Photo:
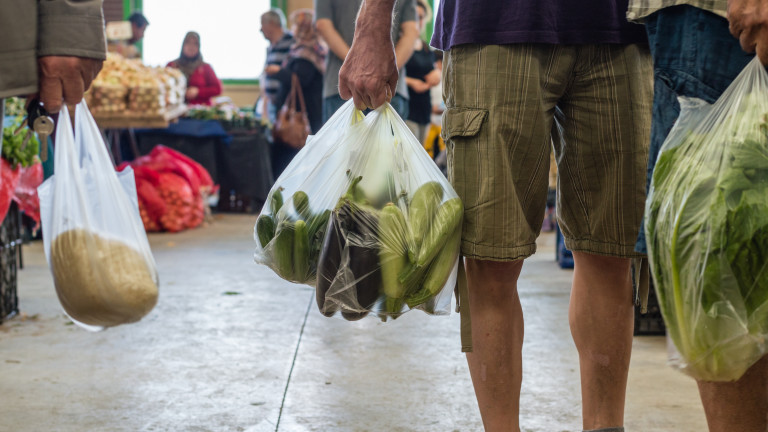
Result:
308,45
188,65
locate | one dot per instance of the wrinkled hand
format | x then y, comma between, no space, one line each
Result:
432,78
64,79
272,69
748,21
369,73
192,92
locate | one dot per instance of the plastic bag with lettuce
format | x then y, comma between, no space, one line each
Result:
707,226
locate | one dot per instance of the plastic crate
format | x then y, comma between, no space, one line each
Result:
10,262
651,322
563,256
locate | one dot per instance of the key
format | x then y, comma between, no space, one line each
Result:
43,125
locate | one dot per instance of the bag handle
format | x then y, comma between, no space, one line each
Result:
297,93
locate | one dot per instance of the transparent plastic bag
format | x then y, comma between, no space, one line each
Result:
93,236
364,215
707,230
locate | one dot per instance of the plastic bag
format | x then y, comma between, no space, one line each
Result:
366,216
93,236
25,194
707,230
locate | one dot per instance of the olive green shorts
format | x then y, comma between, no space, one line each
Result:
508,106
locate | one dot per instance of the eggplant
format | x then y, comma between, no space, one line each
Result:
360,225
328,264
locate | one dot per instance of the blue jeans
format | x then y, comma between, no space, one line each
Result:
331,104
694,55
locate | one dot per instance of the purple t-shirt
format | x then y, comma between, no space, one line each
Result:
495,22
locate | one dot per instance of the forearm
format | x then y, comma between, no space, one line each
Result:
375,19
71,28
334,40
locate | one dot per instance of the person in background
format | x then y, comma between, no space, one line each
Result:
280,42
336,24
202,82
52,48
509,74
129,48
420,75
699,47
306,60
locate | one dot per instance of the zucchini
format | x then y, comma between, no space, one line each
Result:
438,272
447,220
420,214
265,230
283,249
276,201
393,256
301,205
301,252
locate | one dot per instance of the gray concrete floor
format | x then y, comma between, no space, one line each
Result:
231,347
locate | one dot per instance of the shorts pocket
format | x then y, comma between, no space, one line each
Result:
462,122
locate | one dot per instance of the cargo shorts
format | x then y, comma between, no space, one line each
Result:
509,106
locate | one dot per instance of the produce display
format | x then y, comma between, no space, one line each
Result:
21,171
707,231
99,281
15,107
228,114
173,190
128,88
366,217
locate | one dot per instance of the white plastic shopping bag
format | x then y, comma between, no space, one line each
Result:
93,236
367,218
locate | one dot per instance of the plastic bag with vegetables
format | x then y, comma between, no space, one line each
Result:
364,215
94,240
707,230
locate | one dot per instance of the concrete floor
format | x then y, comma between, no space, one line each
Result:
231,347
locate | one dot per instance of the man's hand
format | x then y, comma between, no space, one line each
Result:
433,78
65,79
271,69
748,21
369,73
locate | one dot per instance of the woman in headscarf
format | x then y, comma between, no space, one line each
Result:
306,59
202,82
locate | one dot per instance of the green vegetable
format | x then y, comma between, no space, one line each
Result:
301,205
420,213
301,253
439,271
265,229
14,150
707,234
393,256
446,221
276,201
283,249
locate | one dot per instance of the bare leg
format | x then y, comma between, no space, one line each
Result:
738,406
601,318
496,363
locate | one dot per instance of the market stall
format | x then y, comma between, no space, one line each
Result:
230,144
